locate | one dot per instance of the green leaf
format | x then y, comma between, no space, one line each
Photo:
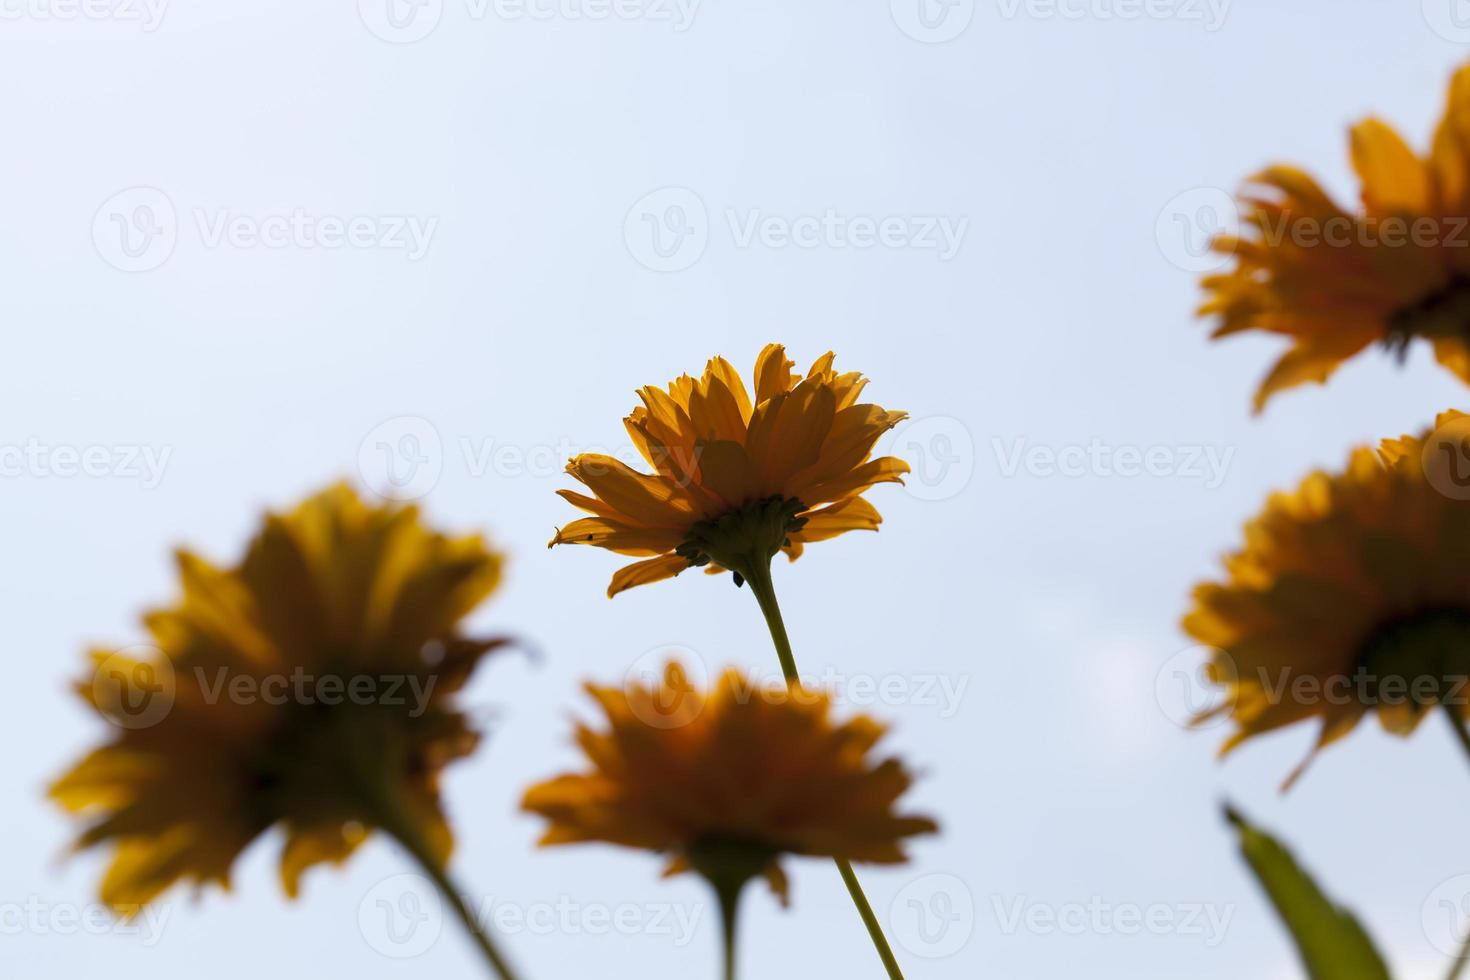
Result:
1332,944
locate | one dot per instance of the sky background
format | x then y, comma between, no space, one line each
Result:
585,187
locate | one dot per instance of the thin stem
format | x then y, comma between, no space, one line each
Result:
1461,958
466,915
1457,723
759,577
875,929
764,590
393,823
729,907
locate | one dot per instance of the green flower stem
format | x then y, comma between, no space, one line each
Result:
1458,967
729,907
394,822
1457,724
764,591
758,575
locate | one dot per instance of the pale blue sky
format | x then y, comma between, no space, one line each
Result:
529,155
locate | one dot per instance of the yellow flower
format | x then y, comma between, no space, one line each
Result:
736,479
1333,281
310,686
1351,594
730,779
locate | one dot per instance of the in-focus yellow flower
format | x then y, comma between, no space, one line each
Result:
1335,281
1351,594
736,479
725,783
310,686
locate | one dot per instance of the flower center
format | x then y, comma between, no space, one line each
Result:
1421,660
1441,315
337,759
744,539
727,862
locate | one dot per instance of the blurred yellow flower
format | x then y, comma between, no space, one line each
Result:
310,686
1335,281
736,479
1351,594
727,782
